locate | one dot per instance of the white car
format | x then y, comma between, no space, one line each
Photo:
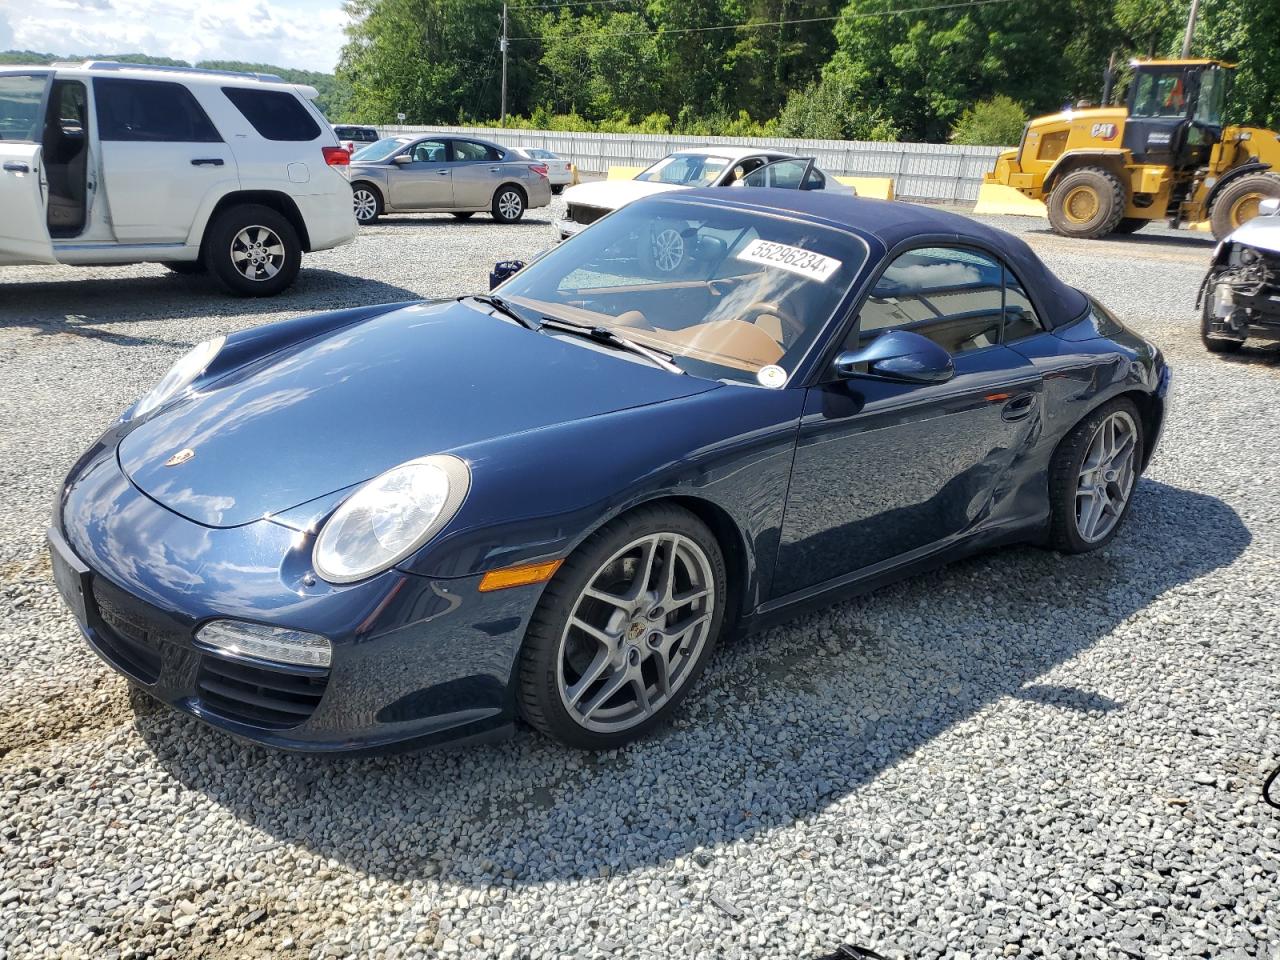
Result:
104,163
688,169
353,137
559,170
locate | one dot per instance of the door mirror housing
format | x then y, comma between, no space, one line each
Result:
402,159
503,270
898,355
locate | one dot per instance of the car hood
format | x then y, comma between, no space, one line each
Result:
1260,232
612,194
341,408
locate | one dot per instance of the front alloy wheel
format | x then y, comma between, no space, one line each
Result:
624,629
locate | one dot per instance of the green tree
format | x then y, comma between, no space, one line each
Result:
997,122
830,110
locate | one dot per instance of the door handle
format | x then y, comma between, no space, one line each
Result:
207,162
443,173
495,169
13,166
1019,407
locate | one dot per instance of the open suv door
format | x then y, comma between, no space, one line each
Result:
24,228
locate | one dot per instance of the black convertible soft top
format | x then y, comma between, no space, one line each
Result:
884,224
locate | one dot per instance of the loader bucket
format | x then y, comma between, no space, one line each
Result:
996,199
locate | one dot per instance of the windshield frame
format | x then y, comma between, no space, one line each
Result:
800,372
400,144
643,175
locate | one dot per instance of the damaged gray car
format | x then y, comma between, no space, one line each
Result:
1240,297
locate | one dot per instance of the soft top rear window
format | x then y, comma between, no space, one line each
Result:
276,115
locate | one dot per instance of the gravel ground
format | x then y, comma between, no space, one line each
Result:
1022,755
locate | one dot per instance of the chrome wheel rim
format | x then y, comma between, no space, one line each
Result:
635,632
510,204
1107,477
365,205
257,253
668,249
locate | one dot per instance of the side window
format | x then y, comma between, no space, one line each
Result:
276,115
1020,317
464,151
21,96
953,296
428,151
150,110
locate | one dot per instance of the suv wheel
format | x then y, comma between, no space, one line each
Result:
253,250
366,201
508,204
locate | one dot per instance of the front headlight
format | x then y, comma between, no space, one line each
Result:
390,517
180,375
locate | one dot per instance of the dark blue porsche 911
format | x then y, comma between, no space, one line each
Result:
416,523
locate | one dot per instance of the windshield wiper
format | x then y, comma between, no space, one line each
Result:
609,337
504,308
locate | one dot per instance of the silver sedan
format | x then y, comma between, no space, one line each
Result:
458,175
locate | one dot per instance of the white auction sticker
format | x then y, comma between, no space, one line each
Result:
771,375
804,262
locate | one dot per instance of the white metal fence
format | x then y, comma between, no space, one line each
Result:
921,171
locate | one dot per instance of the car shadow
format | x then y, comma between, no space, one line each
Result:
1263,355
401,220
89,307
876,679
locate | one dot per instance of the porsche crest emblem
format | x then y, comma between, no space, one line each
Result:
181,457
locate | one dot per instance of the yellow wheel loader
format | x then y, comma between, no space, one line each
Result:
1164,155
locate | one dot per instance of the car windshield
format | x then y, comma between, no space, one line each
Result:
730,294
380,150
687,169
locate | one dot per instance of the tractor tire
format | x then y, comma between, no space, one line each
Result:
1238,201
1130,225
1087,203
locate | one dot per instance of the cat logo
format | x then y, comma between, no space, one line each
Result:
1103,131
181,457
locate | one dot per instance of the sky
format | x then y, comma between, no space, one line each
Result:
305,34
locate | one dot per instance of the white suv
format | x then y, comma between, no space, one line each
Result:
233,173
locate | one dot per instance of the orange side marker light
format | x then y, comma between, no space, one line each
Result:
521,576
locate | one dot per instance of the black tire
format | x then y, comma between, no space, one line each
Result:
1102,207
366,203
538,692
464,215
1211,343
1064,478
238,224
1236,203
1130,225
185,268
557,189
509,203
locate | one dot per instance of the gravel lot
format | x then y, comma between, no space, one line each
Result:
1023,755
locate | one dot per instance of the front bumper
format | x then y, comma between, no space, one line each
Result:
566,228
415,661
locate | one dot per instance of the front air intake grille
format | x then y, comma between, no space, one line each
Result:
126,641
273,697
583,214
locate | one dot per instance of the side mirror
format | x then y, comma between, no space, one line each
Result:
898,355
402,159
1269,207
503,270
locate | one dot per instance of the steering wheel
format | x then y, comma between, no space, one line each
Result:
791,327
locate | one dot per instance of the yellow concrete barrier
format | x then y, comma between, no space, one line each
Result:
878,188
624,173
997,199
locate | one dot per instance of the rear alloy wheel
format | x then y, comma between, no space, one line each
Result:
508,204
366,202
624,629
253,250
1239,201
1093,477
1087,203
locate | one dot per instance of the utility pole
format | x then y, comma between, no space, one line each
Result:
1191,29
502,44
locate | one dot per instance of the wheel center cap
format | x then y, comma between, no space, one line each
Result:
636,630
